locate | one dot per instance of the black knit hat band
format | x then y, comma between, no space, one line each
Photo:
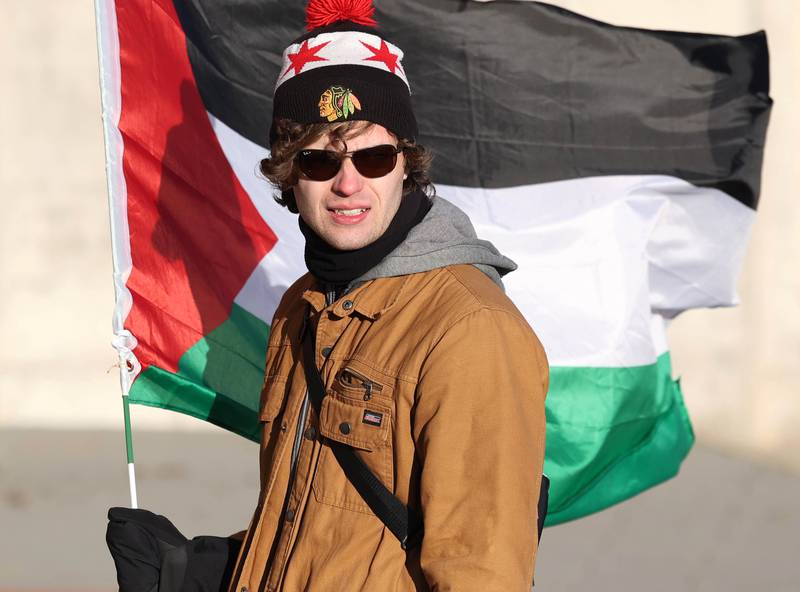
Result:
351,93
344,72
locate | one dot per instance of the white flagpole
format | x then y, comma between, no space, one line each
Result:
110,95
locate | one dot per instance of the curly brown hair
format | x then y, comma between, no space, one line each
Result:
291,137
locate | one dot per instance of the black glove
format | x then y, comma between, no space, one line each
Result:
151,555
138,541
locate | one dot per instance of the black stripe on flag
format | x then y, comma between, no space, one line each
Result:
516,93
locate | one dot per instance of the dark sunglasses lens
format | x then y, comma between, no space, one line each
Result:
376,161
318,165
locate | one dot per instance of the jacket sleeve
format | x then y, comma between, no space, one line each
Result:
479,428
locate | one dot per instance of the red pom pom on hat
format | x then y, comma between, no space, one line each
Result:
320,13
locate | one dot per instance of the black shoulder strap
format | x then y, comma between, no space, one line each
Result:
402,521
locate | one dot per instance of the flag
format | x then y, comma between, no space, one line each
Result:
619,167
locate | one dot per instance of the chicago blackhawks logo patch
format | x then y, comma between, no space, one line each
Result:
337,103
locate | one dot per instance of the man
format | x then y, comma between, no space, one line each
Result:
432,377
403,399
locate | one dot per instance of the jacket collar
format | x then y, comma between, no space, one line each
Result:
366,302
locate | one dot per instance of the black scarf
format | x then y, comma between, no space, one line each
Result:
332,266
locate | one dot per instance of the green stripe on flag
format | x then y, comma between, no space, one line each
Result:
611,434
158,388
219,379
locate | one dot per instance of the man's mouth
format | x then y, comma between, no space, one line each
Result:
354,212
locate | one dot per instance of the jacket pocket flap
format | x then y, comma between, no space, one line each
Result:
360,424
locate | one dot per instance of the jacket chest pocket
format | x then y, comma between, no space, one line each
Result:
352,415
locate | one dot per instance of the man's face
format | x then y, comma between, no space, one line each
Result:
333,208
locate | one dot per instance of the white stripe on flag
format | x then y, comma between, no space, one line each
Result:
598,256
284,263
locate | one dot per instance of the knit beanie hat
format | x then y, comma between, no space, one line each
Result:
342,69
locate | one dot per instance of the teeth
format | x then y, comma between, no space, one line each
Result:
350,212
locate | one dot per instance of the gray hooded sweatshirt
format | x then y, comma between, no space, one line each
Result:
444,237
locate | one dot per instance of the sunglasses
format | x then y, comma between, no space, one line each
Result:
374,162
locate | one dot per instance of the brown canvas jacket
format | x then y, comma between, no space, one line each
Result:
439,383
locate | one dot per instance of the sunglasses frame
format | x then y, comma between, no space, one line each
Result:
335,155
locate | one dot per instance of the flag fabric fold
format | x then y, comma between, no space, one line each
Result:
619,167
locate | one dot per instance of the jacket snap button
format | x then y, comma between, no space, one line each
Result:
243,589
326,351
347,304
311,433
284,426
345,428
289,515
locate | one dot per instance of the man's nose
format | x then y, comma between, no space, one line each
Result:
348,180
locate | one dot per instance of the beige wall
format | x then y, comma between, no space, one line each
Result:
740,367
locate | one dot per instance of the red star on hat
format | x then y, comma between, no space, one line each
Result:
382,54
304,55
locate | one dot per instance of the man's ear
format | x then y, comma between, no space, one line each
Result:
289,200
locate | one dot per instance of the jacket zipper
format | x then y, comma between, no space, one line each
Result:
298,438
363,381
330,298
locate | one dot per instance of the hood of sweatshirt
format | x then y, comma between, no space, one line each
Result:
444,237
